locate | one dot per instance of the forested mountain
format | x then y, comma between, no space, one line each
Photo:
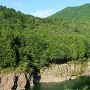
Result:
78,16
72,14
28,42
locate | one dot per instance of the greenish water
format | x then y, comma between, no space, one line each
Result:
53,86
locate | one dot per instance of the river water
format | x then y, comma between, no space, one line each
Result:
53,86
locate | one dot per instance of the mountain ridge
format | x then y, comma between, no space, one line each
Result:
27,43
73,13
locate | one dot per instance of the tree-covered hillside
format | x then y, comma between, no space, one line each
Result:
72,14
28,42
77,17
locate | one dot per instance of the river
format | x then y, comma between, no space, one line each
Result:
53,86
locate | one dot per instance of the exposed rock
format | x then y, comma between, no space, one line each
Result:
21,82
58,73
87,71
54,73
7,81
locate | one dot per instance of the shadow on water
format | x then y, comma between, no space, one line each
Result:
15,79
53,86
27,86
37,87
36,79
36,76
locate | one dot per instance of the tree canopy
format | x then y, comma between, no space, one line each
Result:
27,41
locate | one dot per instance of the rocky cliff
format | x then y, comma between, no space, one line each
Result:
54,73
59,73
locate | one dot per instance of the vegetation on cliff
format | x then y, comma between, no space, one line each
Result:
29,42
81,83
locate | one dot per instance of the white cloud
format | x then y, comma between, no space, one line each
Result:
43,13
18,3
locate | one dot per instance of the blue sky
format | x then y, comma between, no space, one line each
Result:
41,8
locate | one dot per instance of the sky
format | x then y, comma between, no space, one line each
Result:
41,8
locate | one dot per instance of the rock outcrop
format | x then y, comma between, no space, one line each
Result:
62,72
54,73
58,73
7,82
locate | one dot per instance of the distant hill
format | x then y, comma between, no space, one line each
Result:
28,43
80,13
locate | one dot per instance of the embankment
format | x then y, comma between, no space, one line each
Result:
54,73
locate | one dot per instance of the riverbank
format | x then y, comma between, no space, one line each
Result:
59,73
53,73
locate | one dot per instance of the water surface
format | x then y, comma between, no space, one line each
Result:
53,86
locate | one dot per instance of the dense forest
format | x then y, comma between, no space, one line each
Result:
27,41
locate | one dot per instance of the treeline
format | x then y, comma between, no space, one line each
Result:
27,41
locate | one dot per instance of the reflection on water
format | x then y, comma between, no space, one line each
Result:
53,86
62,85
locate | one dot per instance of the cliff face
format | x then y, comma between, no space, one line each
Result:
58,73
7,82
12,81
54,73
